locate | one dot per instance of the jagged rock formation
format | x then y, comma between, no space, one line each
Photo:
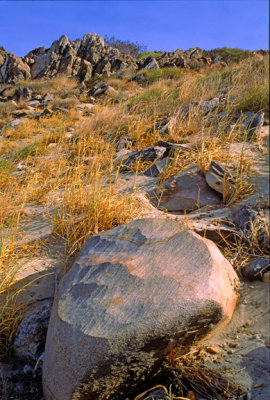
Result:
84,58
12,68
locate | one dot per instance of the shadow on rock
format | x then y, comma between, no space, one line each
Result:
257,364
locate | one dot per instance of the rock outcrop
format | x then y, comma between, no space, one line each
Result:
134,293
13,68
84,58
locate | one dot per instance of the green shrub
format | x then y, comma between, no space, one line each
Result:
27,151
229,54
145,54
5,166
146,97
255,98
162,73
216,81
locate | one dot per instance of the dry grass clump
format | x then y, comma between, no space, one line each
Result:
6,110
60,85
86,210
68,102
190,373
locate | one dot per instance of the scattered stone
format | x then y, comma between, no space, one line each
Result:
61,110
150,154
212,350
203,107
219,179
173,148
47,112
121,155
244,218
33,103
127,301
23,93
27,369
24,112
124,143
150,63
253,123
98,89
29,341
159,167
186,191
256,268
140,78
85,106
16,122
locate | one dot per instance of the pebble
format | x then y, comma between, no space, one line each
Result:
27,369
257,385
233,345
212,350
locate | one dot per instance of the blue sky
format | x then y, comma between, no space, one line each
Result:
160,25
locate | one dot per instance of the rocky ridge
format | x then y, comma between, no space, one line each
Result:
87,57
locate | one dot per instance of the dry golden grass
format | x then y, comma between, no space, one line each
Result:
69,173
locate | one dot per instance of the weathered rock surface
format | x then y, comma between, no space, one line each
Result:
29,341
149,154
219,179
158,168
84,58
134,293
13,68
253,123
185,191
256,268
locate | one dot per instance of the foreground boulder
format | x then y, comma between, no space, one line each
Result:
134,293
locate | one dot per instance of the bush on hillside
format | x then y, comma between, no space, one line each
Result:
125,46
229,54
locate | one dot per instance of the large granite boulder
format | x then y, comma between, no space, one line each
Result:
134,293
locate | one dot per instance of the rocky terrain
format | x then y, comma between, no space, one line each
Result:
134,208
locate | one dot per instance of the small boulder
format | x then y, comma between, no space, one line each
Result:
220,179
150,63
158,168
134,293
256,268
186,191
150,154
30,336
253,123
23,93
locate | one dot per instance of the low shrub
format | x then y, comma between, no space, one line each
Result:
145,54
162,73
146,97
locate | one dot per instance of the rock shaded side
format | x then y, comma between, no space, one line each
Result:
133,293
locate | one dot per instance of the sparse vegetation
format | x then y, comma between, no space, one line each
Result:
229,54
125,46
145,54
163,73
65,162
